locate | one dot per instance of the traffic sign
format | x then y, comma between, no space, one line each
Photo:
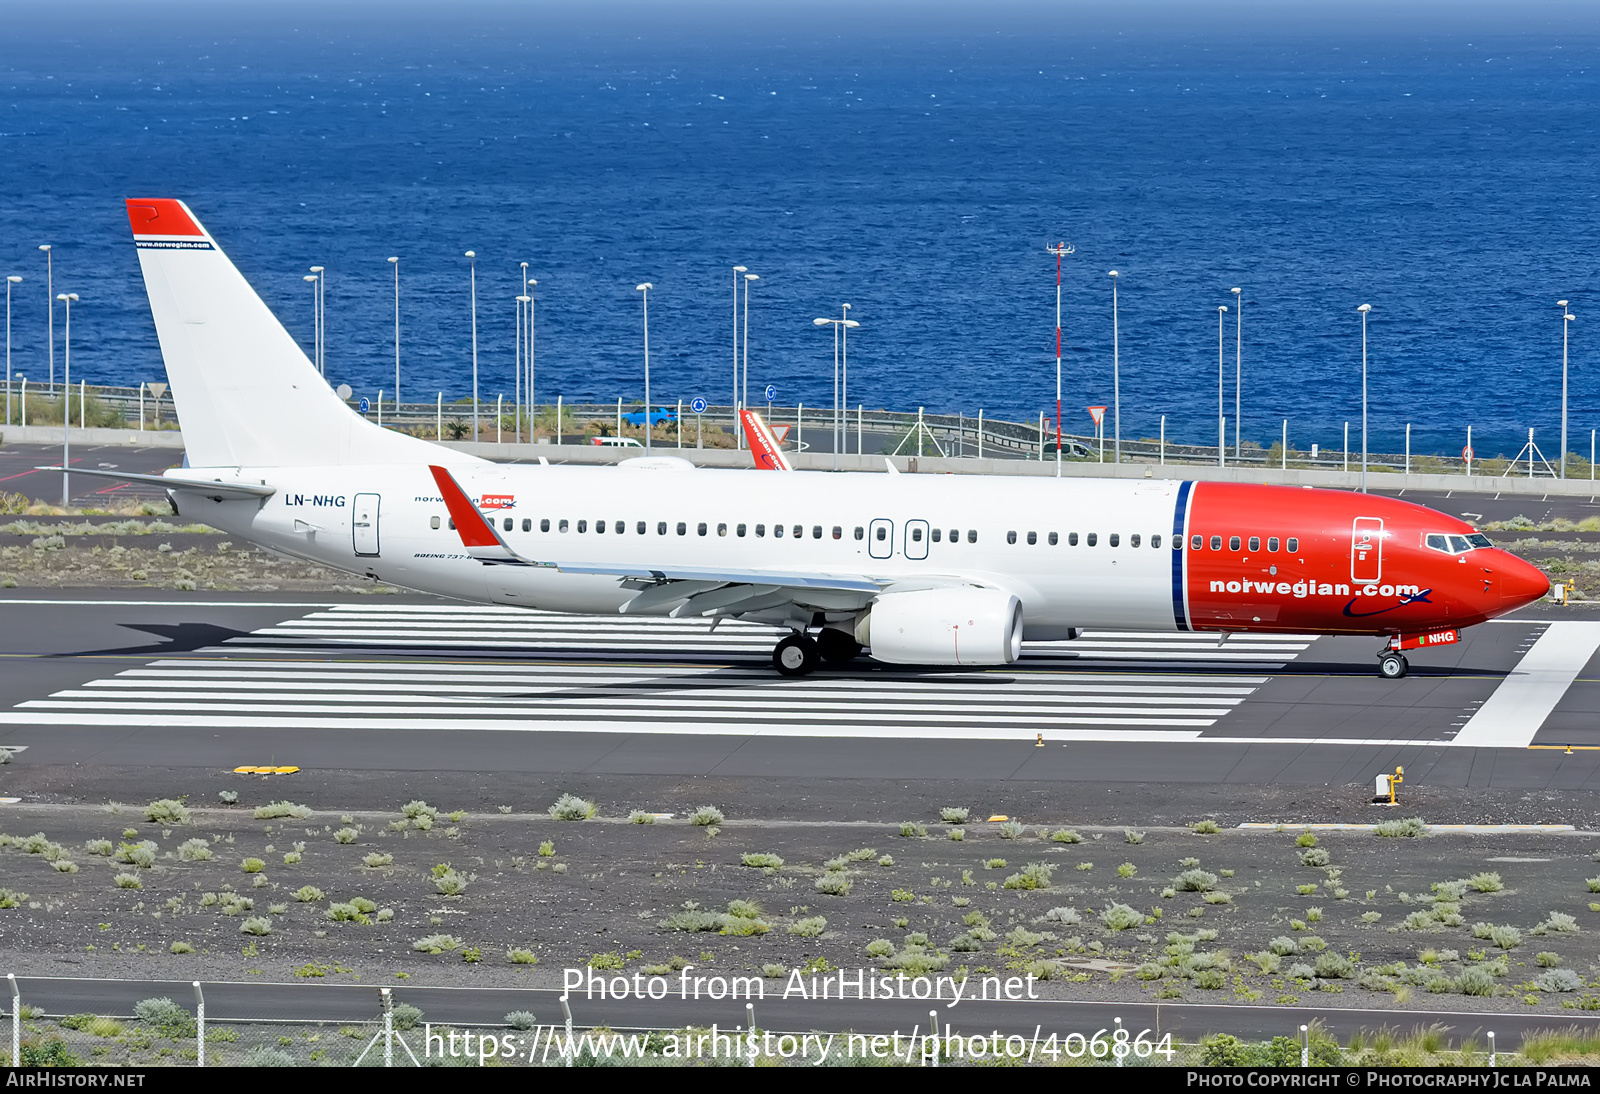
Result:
1098,413
1466,453
698,406
343,391
366,404
157,388
772,393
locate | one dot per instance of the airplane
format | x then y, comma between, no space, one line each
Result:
912,569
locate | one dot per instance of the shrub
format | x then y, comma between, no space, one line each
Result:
810,927
1065,835
1486,883
570,807
1547,960
414,809
346,835
308,894
1011,830
256,925
452,883
706,816
436,943
1120,917
762,861
1064,916
1475,981
955,814
1370,918
1505,937
1333,966
519,956
103,847
167,811
886,860
1409,828
191,850
406,1016
995,864
1132,835
377,859
957,834
1305,839
910,828
1283,946
166,1016
274,810
1195,881
1205,827
181,947
1217,898
1558,980
128,881
228,797
880,947
639,816
833,883
1560,922
10,898
266,1056
1035,875
1314,856
343,912
547,849
1127,869
521,1019
252,866
903,896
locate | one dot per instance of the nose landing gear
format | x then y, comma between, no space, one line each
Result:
1392,664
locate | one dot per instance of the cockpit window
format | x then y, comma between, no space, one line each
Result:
1457,545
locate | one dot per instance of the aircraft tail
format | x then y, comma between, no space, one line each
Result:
246,394
763,445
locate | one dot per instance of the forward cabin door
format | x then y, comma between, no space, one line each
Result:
1366,551
364,524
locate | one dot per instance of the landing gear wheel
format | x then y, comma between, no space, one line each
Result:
796,655
837,646
1392,666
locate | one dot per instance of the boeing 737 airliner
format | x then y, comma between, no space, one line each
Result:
914,569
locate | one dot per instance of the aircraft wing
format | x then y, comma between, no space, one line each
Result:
216,489
483,543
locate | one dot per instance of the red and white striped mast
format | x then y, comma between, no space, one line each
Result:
1059,250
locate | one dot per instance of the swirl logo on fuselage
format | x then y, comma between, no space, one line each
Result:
1419,597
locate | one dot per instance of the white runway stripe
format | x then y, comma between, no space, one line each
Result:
366,667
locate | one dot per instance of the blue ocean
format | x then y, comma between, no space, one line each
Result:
1436,162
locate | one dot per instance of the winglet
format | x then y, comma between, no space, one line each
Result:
763,445
477,534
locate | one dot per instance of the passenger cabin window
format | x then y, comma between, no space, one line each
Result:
599,528
1090,539
1033,538
562,526
583,526
701,528
1293,546
641,528
816,532
1116,540
1198,542
544,525
1255,543
777,532
761,530
972,535
683,529
936,533
1272,543
883,533
739,531
620,527
1155,540
798,531
838,533
860,531
916,535
433,522
722,529
452,524
1054,539
1233,543
1072,539
955,535
1011,537
1216,543
1133,540
661,528
508,524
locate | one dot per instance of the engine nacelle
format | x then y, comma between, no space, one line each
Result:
944,627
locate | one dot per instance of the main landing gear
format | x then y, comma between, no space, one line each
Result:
1392,664
800,654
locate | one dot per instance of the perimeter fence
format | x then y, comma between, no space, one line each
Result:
347,1025
860,431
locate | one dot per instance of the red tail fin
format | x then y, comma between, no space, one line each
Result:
763,445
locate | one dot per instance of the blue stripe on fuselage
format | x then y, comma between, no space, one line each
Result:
1180,516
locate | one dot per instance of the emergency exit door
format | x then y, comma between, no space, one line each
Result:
364,524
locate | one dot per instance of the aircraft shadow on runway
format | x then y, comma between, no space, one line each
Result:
175,638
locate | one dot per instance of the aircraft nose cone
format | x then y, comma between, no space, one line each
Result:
1521,583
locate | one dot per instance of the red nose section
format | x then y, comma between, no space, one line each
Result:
1520,583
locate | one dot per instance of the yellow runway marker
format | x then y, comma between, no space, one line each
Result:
1568,749
265,770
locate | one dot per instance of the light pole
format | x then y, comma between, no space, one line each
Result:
10,281
50,293
1222,422
472,256
395,262
522,355
1058,250
1566,318
738,434
1116,380
533,375
1238,372
644,291
840,327
66,401
320,289
1364,309
316,324
744,387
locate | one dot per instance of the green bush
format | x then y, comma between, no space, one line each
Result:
167,811
570,807
706,816
1065,835
1410,828
1121,917
275,810
762,861
1195,881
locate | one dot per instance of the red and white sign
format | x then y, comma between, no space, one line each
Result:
498,501
1098,413
1423,641
1466,454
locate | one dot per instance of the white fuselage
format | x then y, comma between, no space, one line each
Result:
389,523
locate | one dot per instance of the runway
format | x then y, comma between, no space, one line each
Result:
417,683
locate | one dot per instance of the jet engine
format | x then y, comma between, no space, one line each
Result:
966,626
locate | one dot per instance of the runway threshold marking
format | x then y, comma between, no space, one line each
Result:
1514,714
